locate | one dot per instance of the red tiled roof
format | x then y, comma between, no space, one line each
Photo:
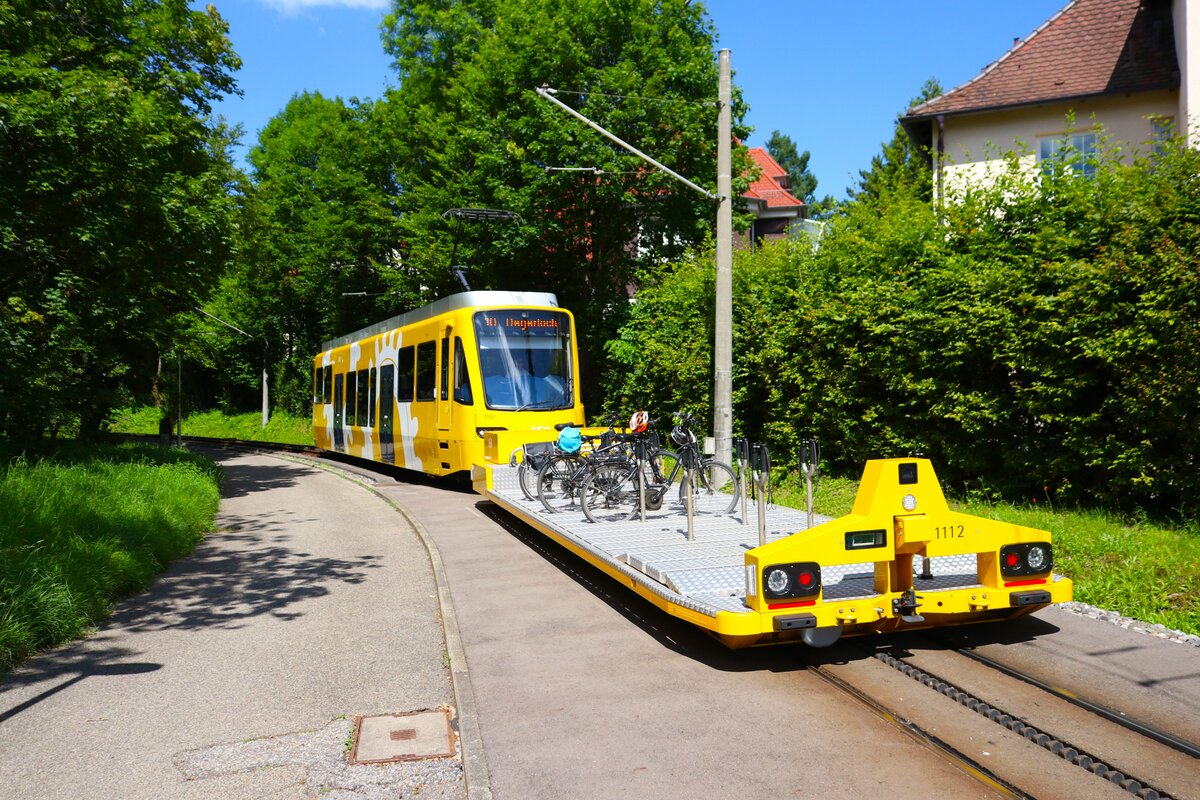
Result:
1090,47
766,188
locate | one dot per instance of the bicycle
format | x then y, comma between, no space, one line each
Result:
560,475
533,456
714,483
561,478
612,492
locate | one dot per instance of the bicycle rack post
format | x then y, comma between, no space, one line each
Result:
689,498
639,451
760,458
742,447
810,457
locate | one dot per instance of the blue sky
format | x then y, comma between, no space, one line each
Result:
833,76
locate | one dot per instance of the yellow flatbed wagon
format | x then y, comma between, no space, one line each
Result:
900,560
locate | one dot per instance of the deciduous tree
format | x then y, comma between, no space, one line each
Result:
319,254
114,209
470,131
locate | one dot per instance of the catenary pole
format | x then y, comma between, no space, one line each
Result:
723,324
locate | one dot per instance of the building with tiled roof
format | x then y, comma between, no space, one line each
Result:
768,197
1125,69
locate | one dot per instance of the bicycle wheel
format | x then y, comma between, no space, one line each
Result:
527,478
714,489
555,483
610,493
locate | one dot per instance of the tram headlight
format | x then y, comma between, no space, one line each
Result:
1034,558
786,581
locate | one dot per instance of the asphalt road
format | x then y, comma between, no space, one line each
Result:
235,676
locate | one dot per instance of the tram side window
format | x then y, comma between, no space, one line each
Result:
364,398
327,393
462,380
318,374
351,384
426,371
371,402
408,371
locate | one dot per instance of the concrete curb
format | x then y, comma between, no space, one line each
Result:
475,767
476,775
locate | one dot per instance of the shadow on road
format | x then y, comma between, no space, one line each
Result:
68,666
245,570
242,479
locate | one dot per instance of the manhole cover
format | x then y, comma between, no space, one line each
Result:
402,737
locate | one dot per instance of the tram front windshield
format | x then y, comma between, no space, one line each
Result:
525,359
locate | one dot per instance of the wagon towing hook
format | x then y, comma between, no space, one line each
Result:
906,606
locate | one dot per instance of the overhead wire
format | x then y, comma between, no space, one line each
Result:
663,100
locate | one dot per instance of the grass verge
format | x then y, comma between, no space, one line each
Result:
1142,570
282,427
87,525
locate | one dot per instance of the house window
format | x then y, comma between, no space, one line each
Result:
1164,132
1074,150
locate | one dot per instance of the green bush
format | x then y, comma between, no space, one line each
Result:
1041,336
85,527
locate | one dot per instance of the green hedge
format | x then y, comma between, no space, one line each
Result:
1042,337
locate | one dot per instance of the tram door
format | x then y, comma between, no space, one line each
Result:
387,404
339,437
443,403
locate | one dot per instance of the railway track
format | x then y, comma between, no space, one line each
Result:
1016,734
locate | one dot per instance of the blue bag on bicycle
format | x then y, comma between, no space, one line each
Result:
570,440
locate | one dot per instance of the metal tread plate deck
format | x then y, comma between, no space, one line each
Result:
705,575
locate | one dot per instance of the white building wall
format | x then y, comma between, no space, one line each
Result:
978,146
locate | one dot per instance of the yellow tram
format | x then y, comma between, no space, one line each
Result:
460,384
423,389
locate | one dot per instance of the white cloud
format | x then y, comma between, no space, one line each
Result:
294,6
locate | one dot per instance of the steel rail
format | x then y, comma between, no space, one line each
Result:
947,751
1059,747
1142,728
